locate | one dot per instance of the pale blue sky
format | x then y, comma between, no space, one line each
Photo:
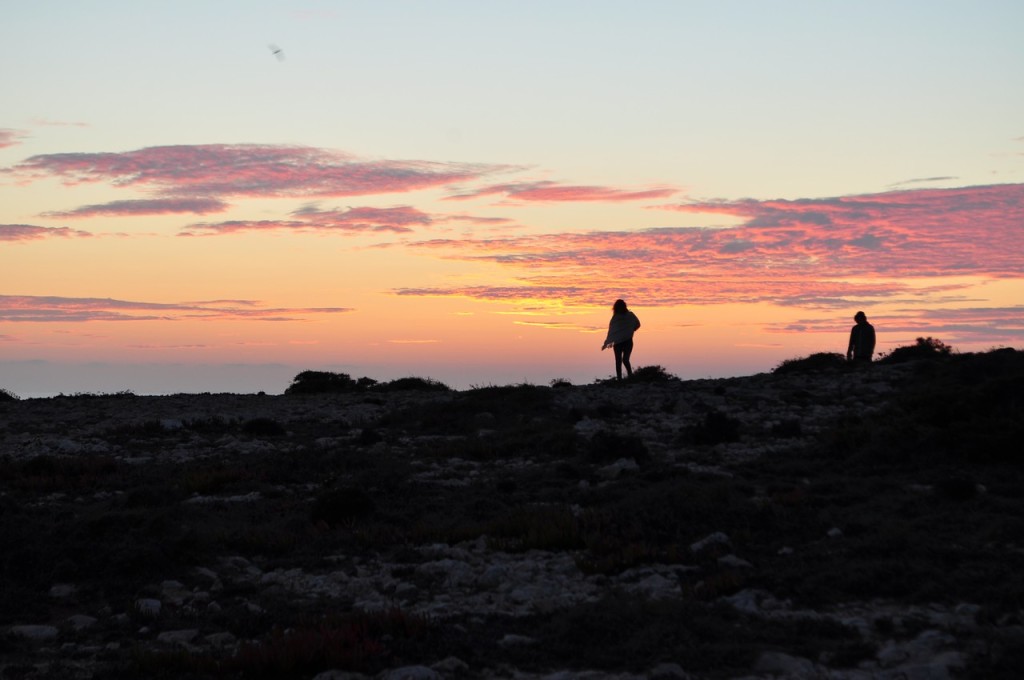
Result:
726,97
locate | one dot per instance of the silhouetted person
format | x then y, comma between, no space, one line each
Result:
620,336
862,339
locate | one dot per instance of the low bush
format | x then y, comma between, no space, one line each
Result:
715,428
263,427
412,384
814,363
652,374
338,507
924,348
319,382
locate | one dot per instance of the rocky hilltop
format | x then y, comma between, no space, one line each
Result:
819,521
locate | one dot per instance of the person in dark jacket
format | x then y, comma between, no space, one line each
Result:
862,339
620,336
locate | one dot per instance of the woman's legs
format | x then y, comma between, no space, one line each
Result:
622,351
627,351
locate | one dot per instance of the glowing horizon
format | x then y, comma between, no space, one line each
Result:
397,209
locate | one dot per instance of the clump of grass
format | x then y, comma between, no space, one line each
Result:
787,428
263,427
610,446
7,395
548,527
715,428
338,507
44,474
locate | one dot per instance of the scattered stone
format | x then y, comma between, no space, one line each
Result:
450,666
734,562
81,622
180,638
512,640
785,666
669,671
34,633
717,538
63,591
411,673
622,465
222,640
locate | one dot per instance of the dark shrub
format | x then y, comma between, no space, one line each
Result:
7,395
957,488
263,427
924,348
652,374
316,382
340,506
787,428
814,363
610,446
369,436
715,428
413,384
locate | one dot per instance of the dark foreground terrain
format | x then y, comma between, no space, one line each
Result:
819,521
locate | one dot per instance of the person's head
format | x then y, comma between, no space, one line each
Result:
860,317
619,307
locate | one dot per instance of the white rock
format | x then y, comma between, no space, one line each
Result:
178,637
80,622
511,640
62,591
222,640
785,665
453,573
734,562
493,576
668,671
411,673
35,633
717,538
655,587
618,467
450,666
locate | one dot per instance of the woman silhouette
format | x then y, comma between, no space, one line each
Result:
620,337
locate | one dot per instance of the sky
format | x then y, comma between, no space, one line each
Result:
213,196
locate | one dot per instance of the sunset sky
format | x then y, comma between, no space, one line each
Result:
212,196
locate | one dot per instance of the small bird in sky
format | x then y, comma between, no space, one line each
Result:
277,52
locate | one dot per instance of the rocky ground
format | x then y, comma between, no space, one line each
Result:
815,522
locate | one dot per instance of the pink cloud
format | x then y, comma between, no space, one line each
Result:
554,192
155,206
41,309
799,252
28,232
399,219
248,170
58,123
9,137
